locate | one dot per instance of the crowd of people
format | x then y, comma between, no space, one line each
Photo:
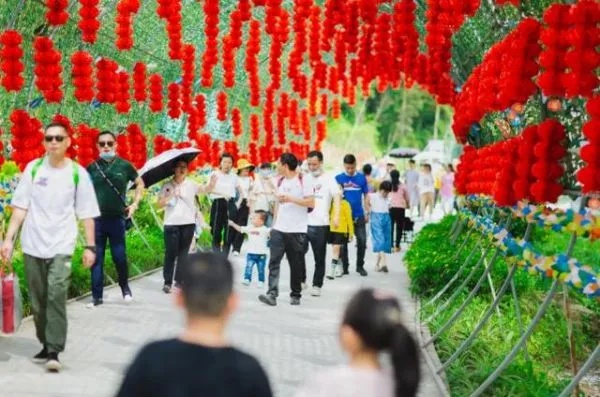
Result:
282,212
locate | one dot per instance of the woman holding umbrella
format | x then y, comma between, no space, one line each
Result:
245,181
178,198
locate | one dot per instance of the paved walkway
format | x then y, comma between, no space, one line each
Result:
291,342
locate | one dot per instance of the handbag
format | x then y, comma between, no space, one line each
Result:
128,220
11,305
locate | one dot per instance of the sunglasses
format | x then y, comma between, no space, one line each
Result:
106,143
57,138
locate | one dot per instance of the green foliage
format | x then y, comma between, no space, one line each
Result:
431,263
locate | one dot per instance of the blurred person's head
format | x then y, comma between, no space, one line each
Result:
412,164
372,324
288,163
259,218
385,188
107,145
367,169
56,140
350,164
180,170
226,162
395,180
314,160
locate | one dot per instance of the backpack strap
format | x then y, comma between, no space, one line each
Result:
38,164
280,180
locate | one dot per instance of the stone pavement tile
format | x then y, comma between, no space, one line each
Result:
292,342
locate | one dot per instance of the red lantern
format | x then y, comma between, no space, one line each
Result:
47,69
122,96
222,106
57,14
11,64
89,23
106,80
139,82
174,102
156,93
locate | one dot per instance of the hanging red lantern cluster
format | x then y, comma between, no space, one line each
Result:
11,64
321,133
156,93
464,169
305,125
187,77
174,103
483,178
524,164
583,59
139,82
47,69
236,121
87,150
502,191
492,86
336,109
126,9
137,145
515,3
215,153
82,76
200,110
296,57
170,11
251,65
547,170
231,147
64,120
123,149
380,64
204,144
210,58
554,36
26,139
253,153
231,42
106,80
254,128
222,106
589,174
161,144
57,14
122,95
89,24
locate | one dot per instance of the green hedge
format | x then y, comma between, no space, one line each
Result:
431,264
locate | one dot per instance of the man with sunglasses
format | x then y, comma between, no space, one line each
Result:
52,193
111,176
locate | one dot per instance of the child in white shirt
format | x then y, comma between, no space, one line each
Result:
257,245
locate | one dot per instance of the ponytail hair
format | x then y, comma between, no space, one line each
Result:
395,177
377,319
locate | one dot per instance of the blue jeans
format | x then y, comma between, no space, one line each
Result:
113,230
260,261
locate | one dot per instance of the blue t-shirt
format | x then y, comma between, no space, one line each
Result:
354,187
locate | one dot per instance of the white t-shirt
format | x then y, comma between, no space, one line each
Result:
225,186
426,183
291,217
181,210
326,188
263,194
53,206
245,183
258,238
345,381
379,204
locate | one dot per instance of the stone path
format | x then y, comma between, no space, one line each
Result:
291,342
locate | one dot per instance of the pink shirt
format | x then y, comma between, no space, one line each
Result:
399,199
447,188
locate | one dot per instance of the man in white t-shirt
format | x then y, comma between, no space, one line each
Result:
327,194
295,198
52,194
223,207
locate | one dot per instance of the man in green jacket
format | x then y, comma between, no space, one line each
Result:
111,176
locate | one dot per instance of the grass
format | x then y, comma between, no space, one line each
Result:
432,260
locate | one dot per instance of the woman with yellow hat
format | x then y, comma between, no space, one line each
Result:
245,181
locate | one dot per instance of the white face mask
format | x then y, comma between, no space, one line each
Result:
107,155
317,173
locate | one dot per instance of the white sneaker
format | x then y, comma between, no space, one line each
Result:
304,286
261,284
339,271
331,272
316,291
246,282
128,298
235,253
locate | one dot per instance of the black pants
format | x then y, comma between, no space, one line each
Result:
236,238
317,236
218,225
178,239
293,245
360,231
397,215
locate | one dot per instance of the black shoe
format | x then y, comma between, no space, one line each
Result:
362,272
41,357
166,289
384,269
346,272
268,300
53,364
294,301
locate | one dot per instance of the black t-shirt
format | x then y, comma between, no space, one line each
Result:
173,368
